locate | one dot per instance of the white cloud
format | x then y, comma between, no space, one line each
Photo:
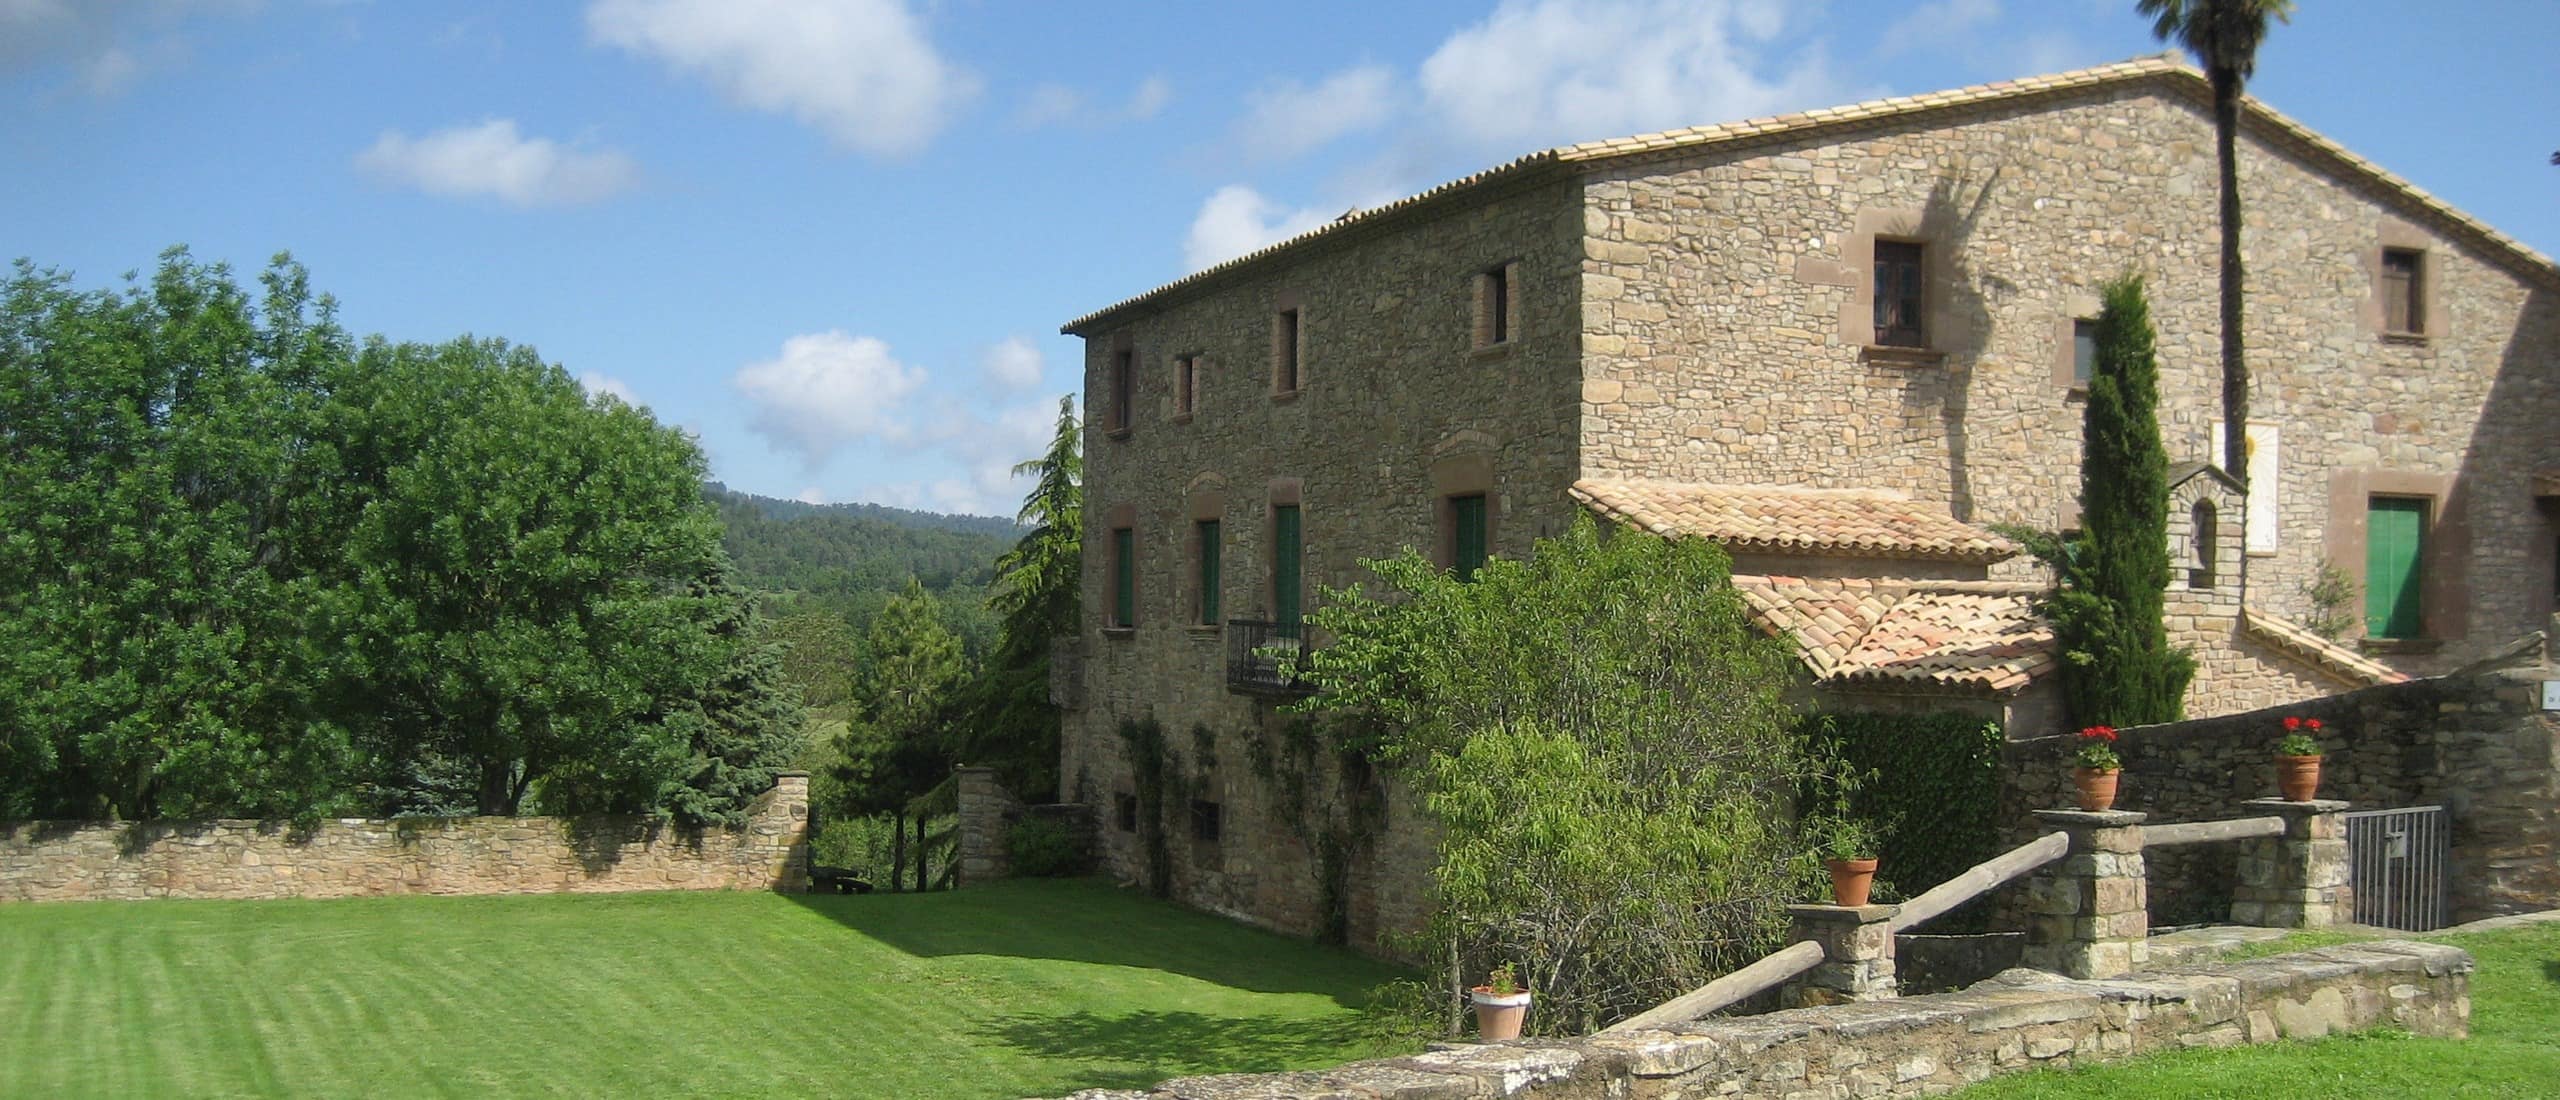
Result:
811,495
105,44
863,71
1013,364
1051,104
1545,72
493,160
1238,219
826,390
1048,105
1285,119
984,448
598,384
1152,95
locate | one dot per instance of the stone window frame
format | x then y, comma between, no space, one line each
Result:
2078,309
1187,368
1941,327
1206,501
1120,384
1462,474
1119,518
1288,346
1496,328
2393,235
2444,589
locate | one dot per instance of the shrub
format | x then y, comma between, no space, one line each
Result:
1042,848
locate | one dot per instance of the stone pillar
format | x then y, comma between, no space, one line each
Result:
2300,879
2086,911
987,812
778,823
1857,954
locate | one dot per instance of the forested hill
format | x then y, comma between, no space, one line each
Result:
846,560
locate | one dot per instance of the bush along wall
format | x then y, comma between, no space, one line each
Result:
1931,788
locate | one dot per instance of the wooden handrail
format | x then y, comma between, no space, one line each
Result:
2199,832
1770,970
1982,879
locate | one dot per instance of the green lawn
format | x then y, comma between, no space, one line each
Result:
2514,1049
1019,989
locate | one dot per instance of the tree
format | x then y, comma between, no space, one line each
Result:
1603,734
2119,669
896,746
2224,36
1012,726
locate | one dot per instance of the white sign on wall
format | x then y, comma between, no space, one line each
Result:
2264,442
2551,695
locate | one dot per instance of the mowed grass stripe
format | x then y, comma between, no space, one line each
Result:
1018,989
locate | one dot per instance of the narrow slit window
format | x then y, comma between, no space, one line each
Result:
1284,352
2404,307
1898,295
2207,541
1186,380
2084,351
1207,533
1124,577
1123,388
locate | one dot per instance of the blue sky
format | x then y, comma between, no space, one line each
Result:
836,239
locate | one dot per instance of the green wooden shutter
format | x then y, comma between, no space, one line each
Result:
1287,549
1209,572
2394,545
1124,577
1466,516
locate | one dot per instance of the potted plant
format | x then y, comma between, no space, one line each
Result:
2098,767
1501,1003
1849,852
2298,759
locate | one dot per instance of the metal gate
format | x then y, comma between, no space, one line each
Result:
2397,860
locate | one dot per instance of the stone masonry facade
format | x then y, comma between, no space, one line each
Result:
1695,307
1919,1046
97,861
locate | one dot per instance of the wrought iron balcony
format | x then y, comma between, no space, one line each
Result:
1260,654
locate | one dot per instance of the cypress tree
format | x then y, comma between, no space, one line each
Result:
2119,669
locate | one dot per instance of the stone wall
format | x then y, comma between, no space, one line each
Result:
66,860
988,811
2476,743
1916,1046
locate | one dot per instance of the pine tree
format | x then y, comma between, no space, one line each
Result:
2119,669
1013,727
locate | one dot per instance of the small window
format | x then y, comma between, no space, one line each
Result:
2404,307
1206,825
1493,306
1126,806
1206,532
1124,577
1898,295
1123,387
1284,351
2084,352
2207,542
1466,535
1186,376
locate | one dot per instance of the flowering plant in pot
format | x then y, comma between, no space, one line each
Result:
1501,1003
1849,853
2096,775
2298,759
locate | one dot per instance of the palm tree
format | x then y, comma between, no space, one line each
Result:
2224,36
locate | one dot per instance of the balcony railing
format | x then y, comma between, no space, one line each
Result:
1259,655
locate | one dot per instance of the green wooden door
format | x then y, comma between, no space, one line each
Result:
2395,534
1287,549
1466,516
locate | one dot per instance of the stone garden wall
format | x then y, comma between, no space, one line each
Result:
1920,1045
2476,743
68,861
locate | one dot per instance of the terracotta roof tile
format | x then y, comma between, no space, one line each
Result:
1832,522
2330,657
1977,637
2164,67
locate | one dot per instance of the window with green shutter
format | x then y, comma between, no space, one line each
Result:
1208,535
1124,577
1466,535
1287,551
2395,535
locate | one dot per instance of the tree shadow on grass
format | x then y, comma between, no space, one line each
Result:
2551,971
1090,922
1138,1049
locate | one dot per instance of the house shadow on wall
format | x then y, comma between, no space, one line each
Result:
1088,921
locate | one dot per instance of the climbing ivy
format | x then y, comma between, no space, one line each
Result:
1142,739
1930,786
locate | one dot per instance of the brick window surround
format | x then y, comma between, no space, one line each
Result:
2444,591
1497,307
1288,345
2419,264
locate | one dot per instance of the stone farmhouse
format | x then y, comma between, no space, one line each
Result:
1841,343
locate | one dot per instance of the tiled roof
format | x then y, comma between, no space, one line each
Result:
2164,68
2547,483
1977,637
1830,522
2328,656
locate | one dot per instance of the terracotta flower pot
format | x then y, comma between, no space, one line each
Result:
1851,879
2097,788
1498,1015
2298,777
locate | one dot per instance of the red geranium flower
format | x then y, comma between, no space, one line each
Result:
2292,723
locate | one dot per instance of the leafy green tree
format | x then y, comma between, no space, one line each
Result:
895,750
818,652
1603,734
1012,725
2119,669
2224,36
